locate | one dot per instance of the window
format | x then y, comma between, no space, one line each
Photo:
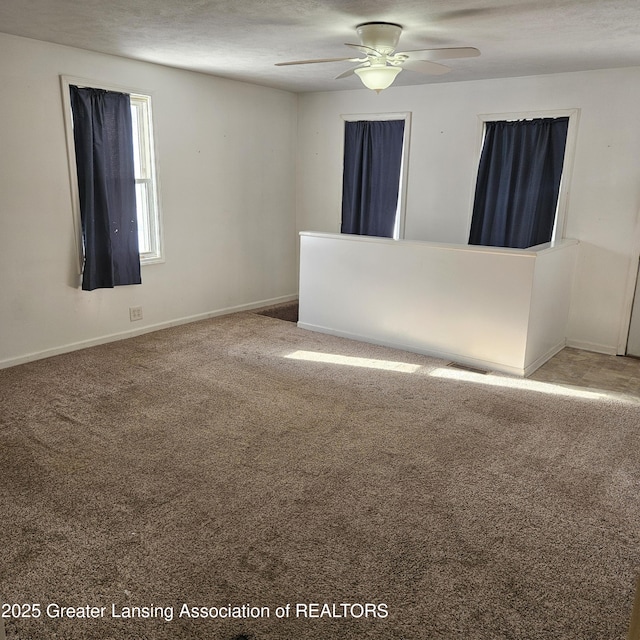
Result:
374,174
521,188
147,202
146,185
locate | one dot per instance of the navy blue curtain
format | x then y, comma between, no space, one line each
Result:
371,178
106,183
518,182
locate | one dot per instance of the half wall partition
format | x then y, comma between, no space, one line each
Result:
497,309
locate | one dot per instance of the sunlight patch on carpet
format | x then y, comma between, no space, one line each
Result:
352,361
524,384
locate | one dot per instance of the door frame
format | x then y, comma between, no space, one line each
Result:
633,275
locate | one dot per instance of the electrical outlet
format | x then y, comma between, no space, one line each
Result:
135,313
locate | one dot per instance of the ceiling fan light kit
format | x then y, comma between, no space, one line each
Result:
377,78
381,66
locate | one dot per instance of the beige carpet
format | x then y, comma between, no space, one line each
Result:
203,466
287,311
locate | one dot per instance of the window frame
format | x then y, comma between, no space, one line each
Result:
401,211
153,224
560,222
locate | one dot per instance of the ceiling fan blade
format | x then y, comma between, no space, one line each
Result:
350,72
370,51
284,64
424,66
441,54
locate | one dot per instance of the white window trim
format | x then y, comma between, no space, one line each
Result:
398,232
560,224
65,81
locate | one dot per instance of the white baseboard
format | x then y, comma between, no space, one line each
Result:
443,355
592,346
544,358
123,335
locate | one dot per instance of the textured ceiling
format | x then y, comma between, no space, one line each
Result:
243,39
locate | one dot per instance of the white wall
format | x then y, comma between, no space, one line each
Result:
604,199
226,154
231,183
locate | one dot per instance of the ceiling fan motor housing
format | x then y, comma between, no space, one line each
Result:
381,36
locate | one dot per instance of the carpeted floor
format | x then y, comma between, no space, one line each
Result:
242,462
287,311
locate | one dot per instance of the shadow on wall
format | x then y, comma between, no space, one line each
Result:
603,286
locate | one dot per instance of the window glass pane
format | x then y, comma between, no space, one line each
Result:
148,224
136,140
142,203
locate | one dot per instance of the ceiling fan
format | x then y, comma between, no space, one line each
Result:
381,64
